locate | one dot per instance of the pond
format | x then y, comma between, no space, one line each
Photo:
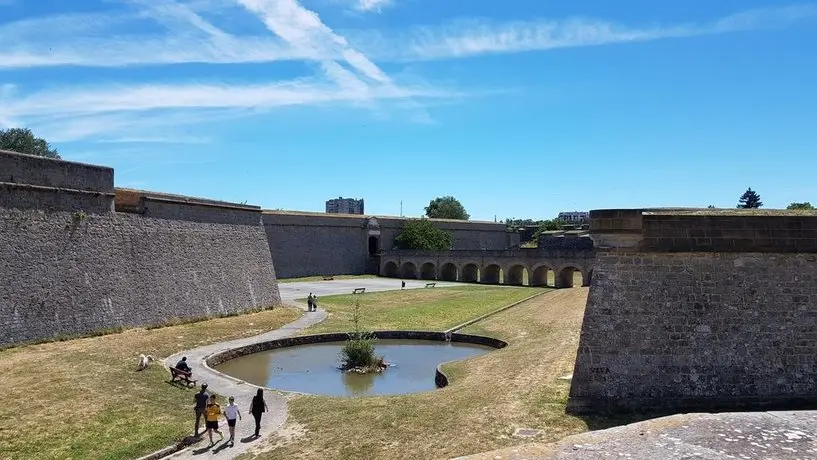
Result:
314,369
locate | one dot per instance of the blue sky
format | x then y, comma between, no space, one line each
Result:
519,108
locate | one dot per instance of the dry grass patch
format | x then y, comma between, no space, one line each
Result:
84,399
490,396
433,309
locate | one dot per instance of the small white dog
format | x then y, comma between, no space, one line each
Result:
144,360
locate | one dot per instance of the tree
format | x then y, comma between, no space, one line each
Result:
423,235
22,140
750,200
807,205
446,207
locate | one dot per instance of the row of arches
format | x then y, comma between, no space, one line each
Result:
514,274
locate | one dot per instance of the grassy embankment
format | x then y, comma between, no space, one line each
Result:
84,399
489,397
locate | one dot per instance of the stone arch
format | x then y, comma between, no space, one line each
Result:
540,275
470,273
516,275
566,276
391,270
491,274
408,270
448,272
428,271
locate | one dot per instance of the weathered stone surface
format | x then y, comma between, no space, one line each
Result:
697,330
63,276
308,244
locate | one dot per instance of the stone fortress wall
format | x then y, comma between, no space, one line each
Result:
699,310
310,243
78,255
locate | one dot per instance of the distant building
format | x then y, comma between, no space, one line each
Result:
344,206
574,217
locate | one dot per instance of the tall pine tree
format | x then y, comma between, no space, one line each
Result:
749,200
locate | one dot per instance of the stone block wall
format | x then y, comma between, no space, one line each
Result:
310,244
675,326
70,267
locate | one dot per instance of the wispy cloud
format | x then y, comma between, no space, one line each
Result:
372,5
94,40
475,37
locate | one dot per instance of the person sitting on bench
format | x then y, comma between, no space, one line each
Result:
182,366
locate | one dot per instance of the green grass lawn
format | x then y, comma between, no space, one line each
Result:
83,398
488,398
434,309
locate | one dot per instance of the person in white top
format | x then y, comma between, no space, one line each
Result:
231,412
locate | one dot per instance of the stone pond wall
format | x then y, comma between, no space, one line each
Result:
310,244
70,265
699,310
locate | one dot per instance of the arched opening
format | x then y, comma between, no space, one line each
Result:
492,274
470,273
408,270
516,275
449,272
542,276
374,245
428,271
569,277
390,270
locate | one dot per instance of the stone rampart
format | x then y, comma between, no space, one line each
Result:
76,270
699,310
309,244
30,182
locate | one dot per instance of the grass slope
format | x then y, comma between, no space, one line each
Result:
489,396
433,309
83,399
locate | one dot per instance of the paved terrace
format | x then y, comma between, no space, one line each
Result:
746,435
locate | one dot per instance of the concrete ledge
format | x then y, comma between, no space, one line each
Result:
440,378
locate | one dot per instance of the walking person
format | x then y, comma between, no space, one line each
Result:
201,398
257,407
314,303
309,302
231,412
211,415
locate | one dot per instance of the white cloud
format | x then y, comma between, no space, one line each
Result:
372,5
95,40
473,38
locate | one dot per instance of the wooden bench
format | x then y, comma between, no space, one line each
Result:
428,285
178,374
359,291
329,278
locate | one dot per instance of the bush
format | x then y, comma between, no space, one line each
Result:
358,351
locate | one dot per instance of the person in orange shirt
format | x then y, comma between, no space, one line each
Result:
211,415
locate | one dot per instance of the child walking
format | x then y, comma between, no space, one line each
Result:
211,415
231,412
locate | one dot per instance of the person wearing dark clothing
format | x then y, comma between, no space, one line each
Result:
182,365
201,398
258,407
309,302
